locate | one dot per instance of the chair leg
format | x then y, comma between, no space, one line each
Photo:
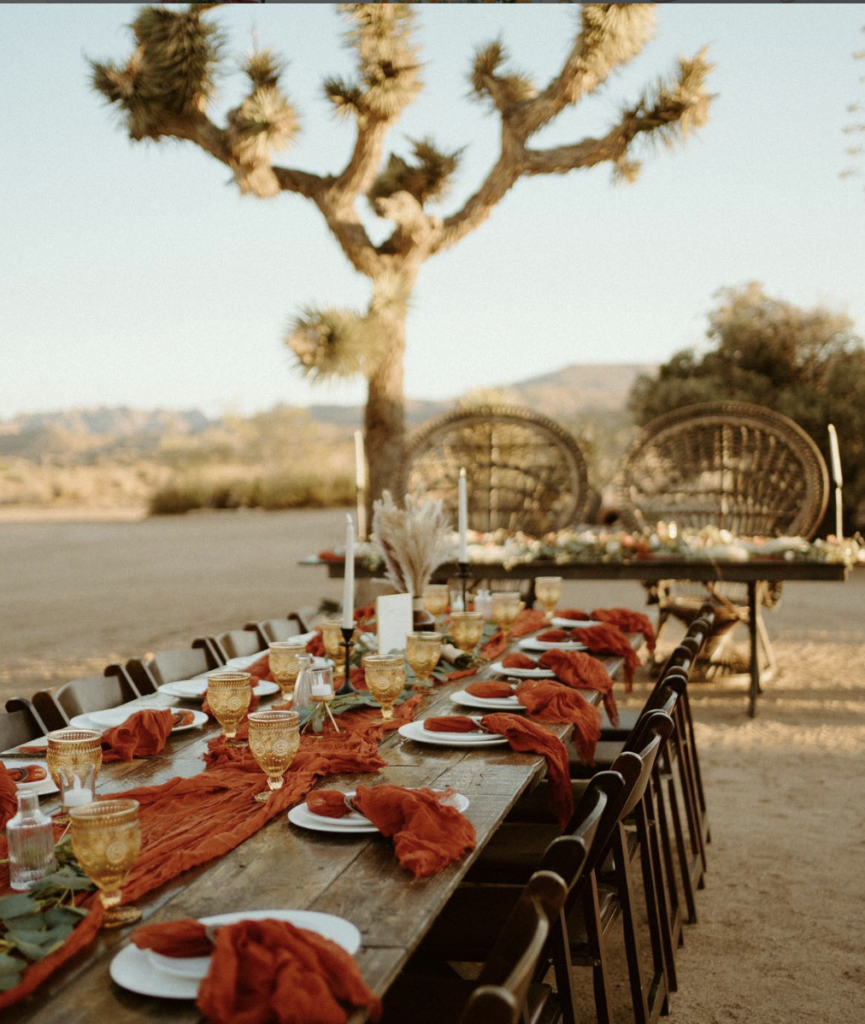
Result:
560,950
655,884
597,951
681,851
666,846
639,1002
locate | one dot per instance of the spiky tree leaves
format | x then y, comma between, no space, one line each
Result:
165,87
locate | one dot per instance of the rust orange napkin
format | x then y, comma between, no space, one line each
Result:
549,701
519,661
628,622
489,690
606,639
8,796
267,972
582,672
24,773
553,636
141,735
523,737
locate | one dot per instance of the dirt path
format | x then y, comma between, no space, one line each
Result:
781,932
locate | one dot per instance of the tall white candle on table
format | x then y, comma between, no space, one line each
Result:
360,480
463,516
837,478
348,589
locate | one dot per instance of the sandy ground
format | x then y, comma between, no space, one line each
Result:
780,938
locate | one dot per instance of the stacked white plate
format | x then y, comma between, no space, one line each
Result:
151,974
469,700
196,689
117,716
41,788
352,823
522,673
415,731
530,644
560,623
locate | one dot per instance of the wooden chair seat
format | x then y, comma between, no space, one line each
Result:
440,1000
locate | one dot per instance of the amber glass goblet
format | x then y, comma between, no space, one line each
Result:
506,607
466,629
73,759
331,634
283,663
228,697
436,598
385,680
548,590
106,838
422,652
274,738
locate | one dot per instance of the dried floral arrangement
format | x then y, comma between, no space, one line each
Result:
413,541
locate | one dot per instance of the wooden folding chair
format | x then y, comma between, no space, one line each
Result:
171,666
91,693
233,643
276,630
20,723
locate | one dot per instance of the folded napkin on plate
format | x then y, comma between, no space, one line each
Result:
582,672
575,614
519,661
263,972
259,671
315,646
8,796
548,701
330,803
141,735
528,621
24,773
628,622
606,639
553,636
489,691
523,737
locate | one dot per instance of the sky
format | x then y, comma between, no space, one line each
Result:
136,274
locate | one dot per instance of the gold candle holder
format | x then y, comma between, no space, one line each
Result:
73,759
422,652
274,739
106,839
436,598
283,663
548,590
466,629
385,679
506,607
228,697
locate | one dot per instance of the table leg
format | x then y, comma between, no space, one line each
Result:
755,650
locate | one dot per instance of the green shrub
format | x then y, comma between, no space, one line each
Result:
271,493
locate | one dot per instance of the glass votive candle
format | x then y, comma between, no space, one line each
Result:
322,683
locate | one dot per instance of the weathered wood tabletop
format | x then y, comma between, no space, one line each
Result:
356,877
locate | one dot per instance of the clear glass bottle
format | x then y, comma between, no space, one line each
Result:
31,843
484,604
303,686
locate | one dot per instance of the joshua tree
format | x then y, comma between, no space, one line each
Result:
166,87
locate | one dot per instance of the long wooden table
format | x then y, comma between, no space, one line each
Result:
280,867
752,573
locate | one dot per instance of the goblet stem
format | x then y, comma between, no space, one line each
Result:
116,916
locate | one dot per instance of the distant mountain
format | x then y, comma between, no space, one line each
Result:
567,394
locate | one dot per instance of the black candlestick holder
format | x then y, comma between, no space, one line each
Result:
464,575
347,643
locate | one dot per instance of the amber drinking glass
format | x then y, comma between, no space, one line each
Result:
422,652
273,740
331,634
228,697
106,838
283,663
385,680
73,759
436,598
548,590
466,629
506,607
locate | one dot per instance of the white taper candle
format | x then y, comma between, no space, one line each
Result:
348,589
463,516
360,479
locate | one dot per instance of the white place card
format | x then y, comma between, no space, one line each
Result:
394,618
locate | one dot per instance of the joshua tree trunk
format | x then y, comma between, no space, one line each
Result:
384,419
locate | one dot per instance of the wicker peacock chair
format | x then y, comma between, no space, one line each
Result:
524,471
737,466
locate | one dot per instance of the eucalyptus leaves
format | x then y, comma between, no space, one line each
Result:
38,922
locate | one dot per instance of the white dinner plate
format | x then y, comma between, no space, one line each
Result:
196,689
354,822
41,788
245,662
522,673
468,700
112,717
415,731
530,644
141,970
559,623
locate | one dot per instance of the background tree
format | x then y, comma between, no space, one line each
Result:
808,364
166,88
